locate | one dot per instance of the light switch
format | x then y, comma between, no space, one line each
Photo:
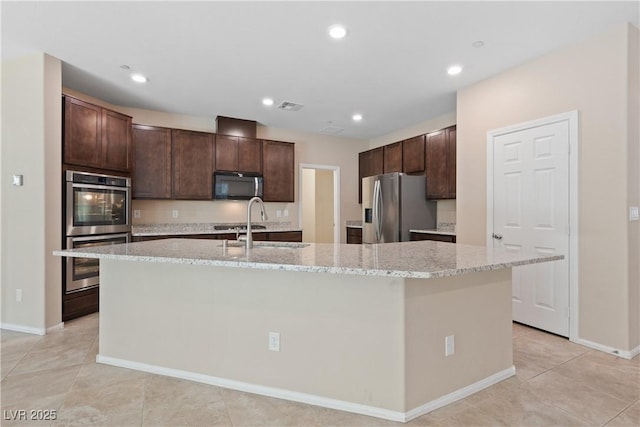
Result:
634,215
136,213
17,180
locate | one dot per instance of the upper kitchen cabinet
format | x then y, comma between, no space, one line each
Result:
441,164
278,163
370,162
413,155
392,157
238,154
193,156
236,127
151,162
96,137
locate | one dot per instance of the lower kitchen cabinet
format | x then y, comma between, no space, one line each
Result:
271,236
354,235
80,303
431,236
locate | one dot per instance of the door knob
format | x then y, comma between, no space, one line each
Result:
497,236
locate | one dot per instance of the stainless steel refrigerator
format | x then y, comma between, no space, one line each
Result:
392,204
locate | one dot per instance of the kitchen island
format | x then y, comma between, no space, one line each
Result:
360,328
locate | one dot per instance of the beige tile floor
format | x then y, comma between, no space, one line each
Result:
558,383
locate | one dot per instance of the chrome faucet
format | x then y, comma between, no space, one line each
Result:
263,215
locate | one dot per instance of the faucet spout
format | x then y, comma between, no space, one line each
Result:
263,215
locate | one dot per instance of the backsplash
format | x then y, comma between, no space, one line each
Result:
204,211
446,213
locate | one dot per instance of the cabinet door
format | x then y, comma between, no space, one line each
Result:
284,236
413,155
452,161
226,153
116,141
192,155
82,133
437,162
376,161
278,171
393,157
151,162
249,155
363,170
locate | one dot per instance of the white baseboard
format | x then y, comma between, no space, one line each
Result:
21,328
460,394
625,354
310,398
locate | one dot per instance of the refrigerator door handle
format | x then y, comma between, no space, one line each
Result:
377,209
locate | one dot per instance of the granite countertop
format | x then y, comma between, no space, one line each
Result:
206,228
425,259
444,228
357,223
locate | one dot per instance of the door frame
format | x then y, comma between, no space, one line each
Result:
572,117
336,194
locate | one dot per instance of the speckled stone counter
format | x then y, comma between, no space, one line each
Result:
205,228
408,259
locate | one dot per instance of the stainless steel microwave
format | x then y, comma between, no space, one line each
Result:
236,186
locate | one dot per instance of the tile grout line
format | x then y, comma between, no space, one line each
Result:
621,412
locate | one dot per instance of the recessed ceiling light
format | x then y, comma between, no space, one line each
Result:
139,78
337,31
454,69
478,43
356,117
267,101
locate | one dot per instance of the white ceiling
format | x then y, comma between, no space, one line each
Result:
222,58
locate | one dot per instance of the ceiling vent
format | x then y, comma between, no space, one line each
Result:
290,106
331,130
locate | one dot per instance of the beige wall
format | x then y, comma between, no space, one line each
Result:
31,224
590,77
309,148
324,206
308,196
633,191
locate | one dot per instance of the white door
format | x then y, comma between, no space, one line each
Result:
531,213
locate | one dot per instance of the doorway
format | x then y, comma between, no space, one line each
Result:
319,187
532,207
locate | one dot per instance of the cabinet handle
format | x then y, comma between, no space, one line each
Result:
497,236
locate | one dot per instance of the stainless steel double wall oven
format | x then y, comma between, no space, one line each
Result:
97,212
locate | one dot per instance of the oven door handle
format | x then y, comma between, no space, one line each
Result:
98,187
100,237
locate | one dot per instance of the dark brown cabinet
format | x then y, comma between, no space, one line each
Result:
413,155
192,156
238,154
370,162
441,164
151,162
431,236
96,137
278,171
354,235
392,154
271,236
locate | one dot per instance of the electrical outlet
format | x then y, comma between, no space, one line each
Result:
634,214
136,213
17,180
19,295
274,341
278,213
174,213
449,345
286,212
